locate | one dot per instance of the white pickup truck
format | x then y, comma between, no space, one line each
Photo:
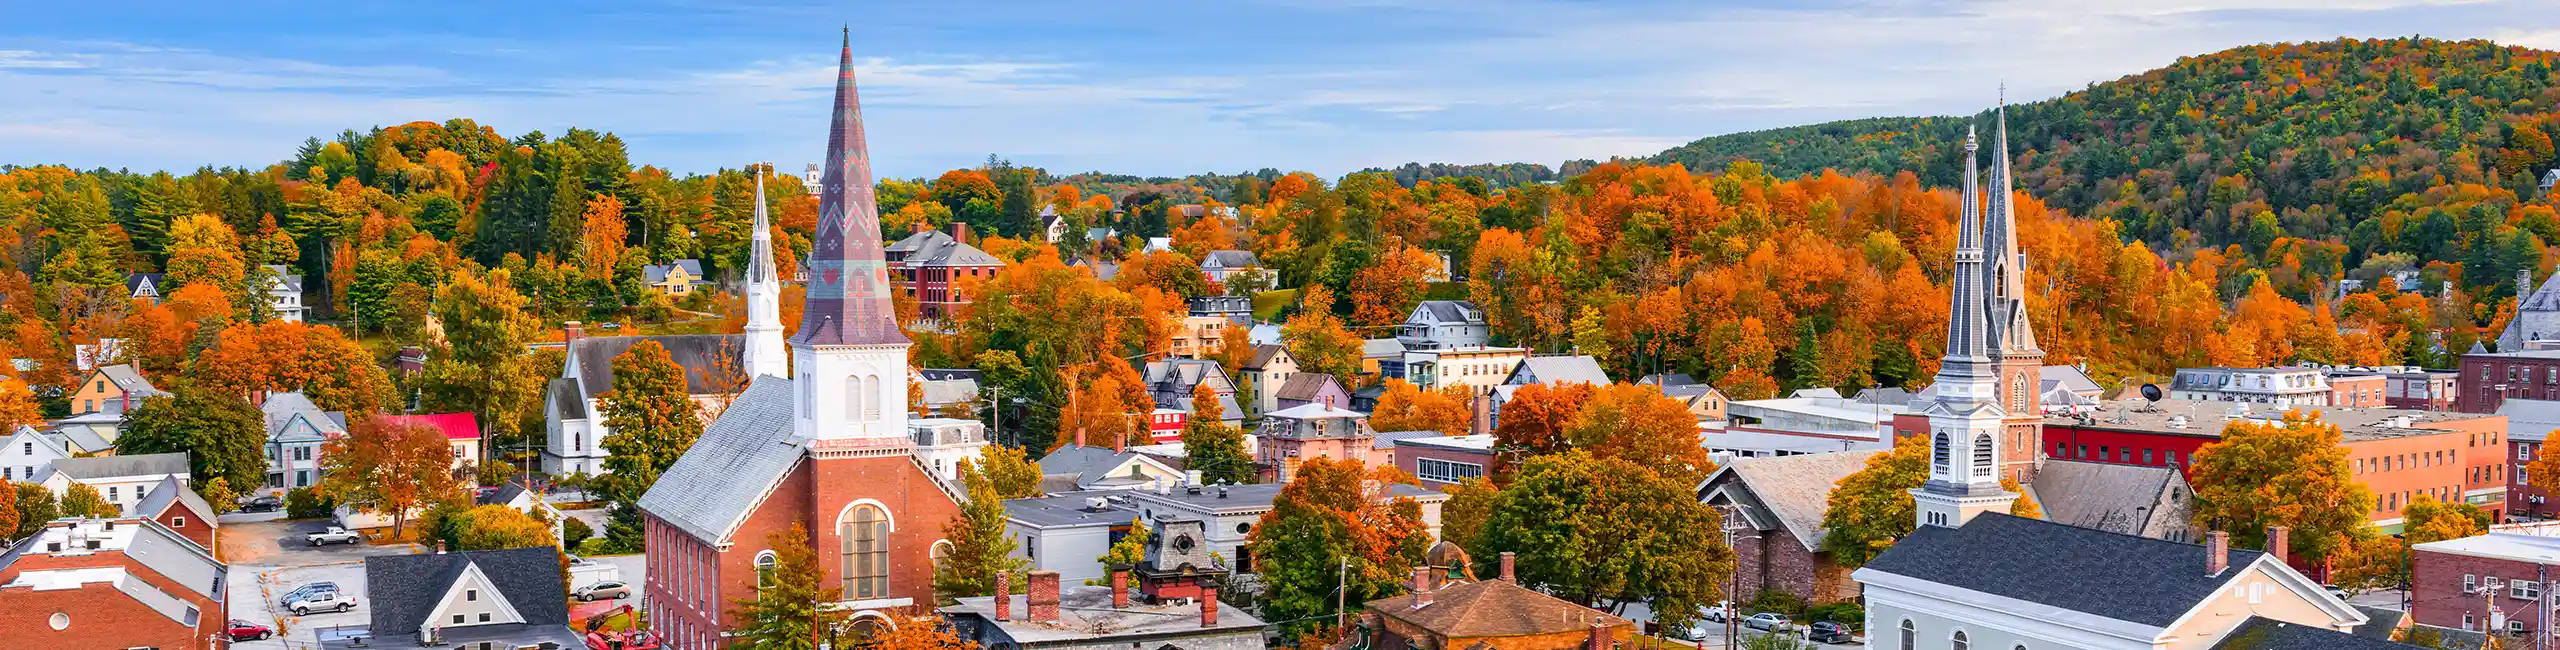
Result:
323,600
334,535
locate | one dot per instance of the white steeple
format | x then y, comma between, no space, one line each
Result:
764,354
1965,421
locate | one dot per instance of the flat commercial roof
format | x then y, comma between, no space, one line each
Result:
2206,419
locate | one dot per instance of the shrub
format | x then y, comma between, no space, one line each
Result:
575,531
304,503
1776,600
1844,612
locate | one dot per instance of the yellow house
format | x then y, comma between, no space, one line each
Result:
677,278
111,389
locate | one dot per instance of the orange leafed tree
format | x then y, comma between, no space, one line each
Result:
1537,417
285,356
1641,425
1406,407
389,468
1386,292
605,236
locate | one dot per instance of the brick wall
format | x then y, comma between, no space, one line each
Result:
2438,598
1409,458
100,617
188,524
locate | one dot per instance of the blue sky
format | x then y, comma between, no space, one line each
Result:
1155,88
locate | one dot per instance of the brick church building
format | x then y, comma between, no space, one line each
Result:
823,441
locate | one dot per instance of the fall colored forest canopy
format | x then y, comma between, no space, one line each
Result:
2211,212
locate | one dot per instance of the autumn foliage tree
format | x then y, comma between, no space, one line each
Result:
2292,473
1872,507
1595,529
1318,339
390,468
280,356
1642,426
786,613
1335,511
1213,447
1405,407
980,548
1538,416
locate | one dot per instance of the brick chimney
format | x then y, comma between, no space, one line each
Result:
1079,436
1044,596
2217,552
1599,636
1004,595
1480,420
1119,590
1421,587
2277,542
1507,560
1208,608
959,231
571,330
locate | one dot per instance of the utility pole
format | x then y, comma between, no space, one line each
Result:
2542,607
1341,589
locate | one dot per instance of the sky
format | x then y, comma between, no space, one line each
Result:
1121,86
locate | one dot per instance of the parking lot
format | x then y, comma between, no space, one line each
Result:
269,557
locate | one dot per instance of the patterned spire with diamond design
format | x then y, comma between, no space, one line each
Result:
848,286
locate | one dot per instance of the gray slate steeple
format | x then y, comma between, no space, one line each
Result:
2010,332
1967,325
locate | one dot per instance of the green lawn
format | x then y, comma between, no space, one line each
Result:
1267,305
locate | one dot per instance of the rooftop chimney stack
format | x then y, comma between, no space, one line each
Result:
1044,596
1119,589
571,330
2278,538
959,231
1208,608
1421,587
1004,595
1599,636
1507,560
2217,552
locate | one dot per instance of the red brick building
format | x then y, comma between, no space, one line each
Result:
1443,461
2357,390
2485,583
2487,379
120,583
827,448
2399,454
931,266
174,505
1773,508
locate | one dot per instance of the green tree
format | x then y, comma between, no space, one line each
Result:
784,614
1012,472
1462,517
482,366
654,419
84,501
36,505
1318,339
1872,507
493,527
980,549
1590,528
389,468
224,438
1329,518
1211,446
2292,473
1129,552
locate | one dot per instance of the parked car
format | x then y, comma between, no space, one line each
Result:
247,631
321,601
1827,632
2335,590
335,535
1766,621
262,504
607,590
1718,612
306,589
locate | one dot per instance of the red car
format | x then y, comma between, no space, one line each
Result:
247,631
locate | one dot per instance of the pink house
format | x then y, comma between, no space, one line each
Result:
1292,435
462,430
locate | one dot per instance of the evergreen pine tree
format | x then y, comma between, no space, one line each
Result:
979,547
784,613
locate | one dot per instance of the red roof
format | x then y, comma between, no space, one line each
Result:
456,426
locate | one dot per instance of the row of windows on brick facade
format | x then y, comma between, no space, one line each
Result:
2116,454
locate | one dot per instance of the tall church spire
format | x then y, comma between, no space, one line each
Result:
2010,333
848,284
764,354
1965,419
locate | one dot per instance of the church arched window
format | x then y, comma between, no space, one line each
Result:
1938,451
1910,635
1959,642
864,532
870,397
1982,453
765,564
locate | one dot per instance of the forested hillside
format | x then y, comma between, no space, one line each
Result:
2328,141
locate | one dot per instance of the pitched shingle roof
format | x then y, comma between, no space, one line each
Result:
129,380
737,459
112,466
1232,259
1306,386
172,491
564,397
1447,311
1493,608
2123,577
1795,489
2259,633
1560,369
936,248
2105,496
405,589
700,354
280,409
656,273
1263,354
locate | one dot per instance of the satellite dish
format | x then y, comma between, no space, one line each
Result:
2151,392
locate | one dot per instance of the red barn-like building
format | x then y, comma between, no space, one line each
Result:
827,447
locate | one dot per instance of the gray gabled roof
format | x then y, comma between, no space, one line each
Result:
2068,377
172,491
129,380
282,408
1795,489
563,393
2123,577
1078,459
738,458
936,248
656,273
1446,311
1561,369
1232,259
286,279
700,354
111,466
2105,496
135,283
2530,420
1263,354
404,589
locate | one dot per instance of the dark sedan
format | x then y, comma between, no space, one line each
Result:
262,504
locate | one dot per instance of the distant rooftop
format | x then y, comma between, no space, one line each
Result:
2206,418
1085,614
1483,442
2504,546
